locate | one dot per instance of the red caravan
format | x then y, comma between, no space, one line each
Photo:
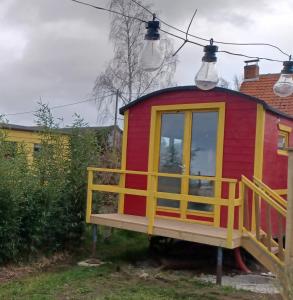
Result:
203,166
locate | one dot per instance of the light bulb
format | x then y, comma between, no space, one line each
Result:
284,86
151,57
207,77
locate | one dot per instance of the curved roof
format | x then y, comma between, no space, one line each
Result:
194,88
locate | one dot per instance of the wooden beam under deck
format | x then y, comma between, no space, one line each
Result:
204,234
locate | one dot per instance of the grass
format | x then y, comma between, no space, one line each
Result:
118,279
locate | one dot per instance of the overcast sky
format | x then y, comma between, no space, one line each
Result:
54,49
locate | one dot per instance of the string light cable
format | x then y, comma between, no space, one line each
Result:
185,39
207,77
207,40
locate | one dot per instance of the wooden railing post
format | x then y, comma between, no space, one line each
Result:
280,237
152,203
257,216
121,196
289,216
231,212
89,196
246,208
253,211
241,207
268,213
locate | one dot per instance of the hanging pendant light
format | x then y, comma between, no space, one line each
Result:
207,77
284,86
151,57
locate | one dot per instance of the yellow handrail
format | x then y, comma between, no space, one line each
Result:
153,194
160,174
264,196
271,192
253,228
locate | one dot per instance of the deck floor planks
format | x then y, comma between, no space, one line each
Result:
193,232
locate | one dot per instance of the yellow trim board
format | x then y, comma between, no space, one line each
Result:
284,127
123,162
258,151
281,191
259,142
282,152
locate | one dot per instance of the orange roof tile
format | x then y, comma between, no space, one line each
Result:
263,89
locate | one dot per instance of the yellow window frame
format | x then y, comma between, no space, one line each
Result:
284,131
154,145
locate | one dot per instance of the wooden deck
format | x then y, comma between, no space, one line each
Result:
193,232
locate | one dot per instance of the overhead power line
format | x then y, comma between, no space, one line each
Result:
59,106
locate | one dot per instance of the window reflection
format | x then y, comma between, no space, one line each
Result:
171,148
203,156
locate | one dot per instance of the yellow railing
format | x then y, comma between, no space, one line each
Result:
153,194
263,198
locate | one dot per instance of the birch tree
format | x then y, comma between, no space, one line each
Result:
123,72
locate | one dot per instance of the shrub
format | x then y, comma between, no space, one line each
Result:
42,203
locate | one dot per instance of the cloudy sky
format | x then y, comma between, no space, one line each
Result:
54,49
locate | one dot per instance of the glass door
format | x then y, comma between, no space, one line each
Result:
188,145
203,153
171,155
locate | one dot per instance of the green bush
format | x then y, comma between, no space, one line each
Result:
42,203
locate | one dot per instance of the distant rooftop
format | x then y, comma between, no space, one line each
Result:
261,86
65,130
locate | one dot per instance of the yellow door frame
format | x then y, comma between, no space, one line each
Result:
154,147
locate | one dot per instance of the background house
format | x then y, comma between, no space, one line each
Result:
261,86
31,137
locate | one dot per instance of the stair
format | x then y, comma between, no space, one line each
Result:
261,254
255,240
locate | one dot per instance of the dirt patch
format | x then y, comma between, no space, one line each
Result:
11,272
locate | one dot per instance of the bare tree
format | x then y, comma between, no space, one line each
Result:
223,83
124,72
237,80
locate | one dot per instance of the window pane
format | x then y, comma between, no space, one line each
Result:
37,149
282,141
203,157
169,185
171,146
204,188
203,143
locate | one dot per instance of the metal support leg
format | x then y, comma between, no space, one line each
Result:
94,246
219,265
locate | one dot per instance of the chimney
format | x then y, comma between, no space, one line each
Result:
251,70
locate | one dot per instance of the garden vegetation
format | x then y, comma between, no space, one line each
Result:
42,201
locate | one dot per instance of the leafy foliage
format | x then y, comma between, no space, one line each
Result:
42,199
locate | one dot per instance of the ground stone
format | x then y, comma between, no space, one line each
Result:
250,282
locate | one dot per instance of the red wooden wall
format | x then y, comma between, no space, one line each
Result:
239,138
275,166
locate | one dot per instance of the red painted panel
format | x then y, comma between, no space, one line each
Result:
200,218
168,214
239,137
275,166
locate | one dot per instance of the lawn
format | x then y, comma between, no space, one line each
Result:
124,276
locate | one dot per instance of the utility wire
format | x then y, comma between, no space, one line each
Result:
207,40
186,33
56,106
